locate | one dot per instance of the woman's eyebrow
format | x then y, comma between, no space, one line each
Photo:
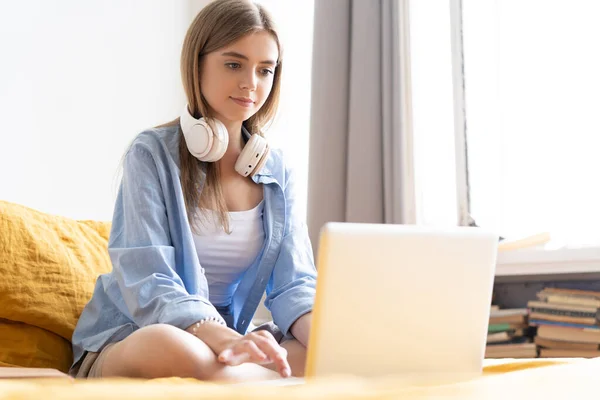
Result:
243,57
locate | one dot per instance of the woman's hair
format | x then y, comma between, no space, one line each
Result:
217,25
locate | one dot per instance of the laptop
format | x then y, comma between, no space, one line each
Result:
401,300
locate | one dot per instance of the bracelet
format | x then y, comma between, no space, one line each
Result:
206,321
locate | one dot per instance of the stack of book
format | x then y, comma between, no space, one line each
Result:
567,322
508,334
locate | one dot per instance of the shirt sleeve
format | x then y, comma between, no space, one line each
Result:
292,285
142,255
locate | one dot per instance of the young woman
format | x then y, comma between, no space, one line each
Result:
205,221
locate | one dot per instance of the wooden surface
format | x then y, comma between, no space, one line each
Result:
517,379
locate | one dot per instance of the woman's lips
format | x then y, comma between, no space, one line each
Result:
242,101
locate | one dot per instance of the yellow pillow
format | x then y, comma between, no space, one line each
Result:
23,345
48,268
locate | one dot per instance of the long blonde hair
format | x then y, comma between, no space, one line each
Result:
217,25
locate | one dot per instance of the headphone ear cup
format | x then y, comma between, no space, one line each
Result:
206,141
220,142
253,156
197,133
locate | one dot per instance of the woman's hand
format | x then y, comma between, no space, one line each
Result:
258,347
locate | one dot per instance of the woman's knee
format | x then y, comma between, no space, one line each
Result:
160,350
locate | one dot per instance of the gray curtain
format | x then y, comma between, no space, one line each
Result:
355,140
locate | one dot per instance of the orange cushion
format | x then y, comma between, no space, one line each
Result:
49,265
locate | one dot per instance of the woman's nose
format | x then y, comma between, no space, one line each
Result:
249,81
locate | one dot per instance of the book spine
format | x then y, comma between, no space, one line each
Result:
563,313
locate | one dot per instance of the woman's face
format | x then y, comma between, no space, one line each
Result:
237,79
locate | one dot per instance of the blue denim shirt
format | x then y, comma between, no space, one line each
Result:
156,275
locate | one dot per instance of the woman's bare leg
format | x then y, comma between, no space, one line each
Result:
163,350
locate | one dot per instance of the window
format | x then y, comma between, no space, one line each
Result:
516,85
532,93
531,101
433,114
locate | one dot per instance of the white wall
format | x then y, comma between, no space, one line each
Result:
79,79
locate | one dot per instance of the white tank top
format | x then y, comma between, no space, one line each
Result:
225,257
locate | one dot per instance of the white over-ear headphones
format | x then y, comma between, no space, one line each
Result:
209,145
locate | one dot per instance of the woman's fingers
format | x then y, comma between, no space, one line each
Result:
276,354
243,351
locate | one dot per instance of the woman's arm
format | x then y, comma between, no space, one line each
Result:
301,328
